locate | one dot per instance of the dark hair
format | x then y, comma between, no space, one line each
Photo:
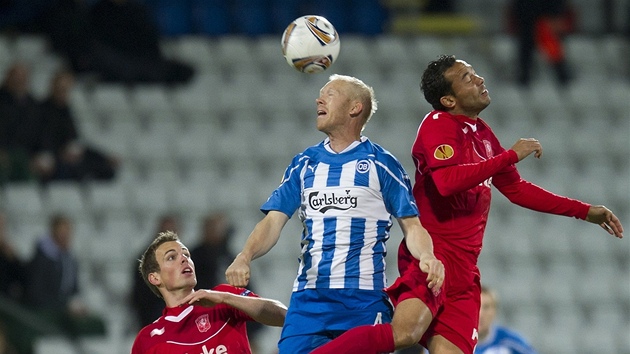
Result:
434,85
148,262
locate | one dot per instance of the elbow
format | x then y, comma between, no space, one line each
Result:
444,189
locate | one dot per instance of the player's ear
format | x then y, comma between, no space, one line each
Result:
448,101
154,279
356,109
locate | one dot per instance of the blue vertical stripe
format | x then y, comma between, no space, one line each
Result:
328,253
309,175
362,179
353,265
306,256
334,175
380,252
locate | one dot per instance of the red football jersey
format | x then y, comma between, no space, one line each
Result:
457,161
197,330
458,219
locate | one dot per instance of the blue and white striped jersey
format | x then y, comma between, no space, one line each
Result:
346,202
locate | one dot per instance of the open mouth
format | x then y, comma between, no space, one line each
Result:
187,270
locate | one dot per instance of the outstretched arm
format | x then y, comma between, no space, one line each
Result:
266,311
420,245
264,236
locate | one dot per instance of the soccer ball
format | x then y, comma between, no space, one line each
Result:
310,44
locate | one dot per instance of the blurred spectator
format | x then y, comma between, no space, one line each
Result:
126,45
20,15
67,25
6,347
439,6
71,158
494,338
19,122
147,306
212,255
53,282
12,269
542,24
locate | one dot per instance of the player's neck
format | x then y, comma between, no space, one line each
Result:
471,115
339,142
175,298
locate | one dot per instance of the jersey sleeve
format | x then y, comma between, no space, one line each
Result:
286,198
531,196
396,187
238,314
439,138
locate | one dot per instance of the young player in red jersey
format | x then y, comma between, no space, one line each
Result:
202,321
458,158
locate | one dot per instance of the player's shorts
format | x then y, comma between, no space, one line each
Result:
455,309
316,316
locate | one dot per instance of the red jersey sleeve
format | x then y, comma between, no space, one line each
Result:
531,196
238,291
441,137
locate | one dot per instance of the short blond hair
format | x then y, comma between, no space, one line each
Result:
360,91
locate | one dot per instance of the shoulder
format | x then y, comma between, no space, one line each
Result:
437,119
512,337
145,338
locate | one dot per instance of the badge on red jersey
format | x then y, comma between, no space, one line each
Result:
443,152
203,323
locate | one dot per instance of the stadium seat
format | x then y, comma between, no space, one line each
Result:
56,345
198,51
25,232
108,198
24,200
116,137
193,199
150,99
150,198
65,197
30,47
111,99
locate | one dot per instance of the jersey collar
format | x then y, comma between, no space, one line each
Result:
350,147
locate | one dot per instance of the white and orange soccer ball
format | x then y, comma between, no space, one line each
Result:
310,44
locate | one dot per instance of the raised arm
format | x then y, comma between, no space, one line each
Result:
266,311
420,245
264,236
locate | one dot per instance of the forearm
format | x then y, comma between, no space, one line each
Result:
264,236
266,311
417,238
458,178
533,197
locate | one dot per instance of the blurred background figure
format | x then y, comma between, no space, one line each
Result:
144,303
53,282
12,269
494,338
19,122
5,345
541,24
126,45
212,255
71,158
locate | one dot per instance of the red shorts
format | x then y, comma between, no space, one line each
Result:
456,308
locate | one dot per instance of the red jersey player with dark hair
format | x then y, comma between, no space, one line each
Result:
202,321
458,158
